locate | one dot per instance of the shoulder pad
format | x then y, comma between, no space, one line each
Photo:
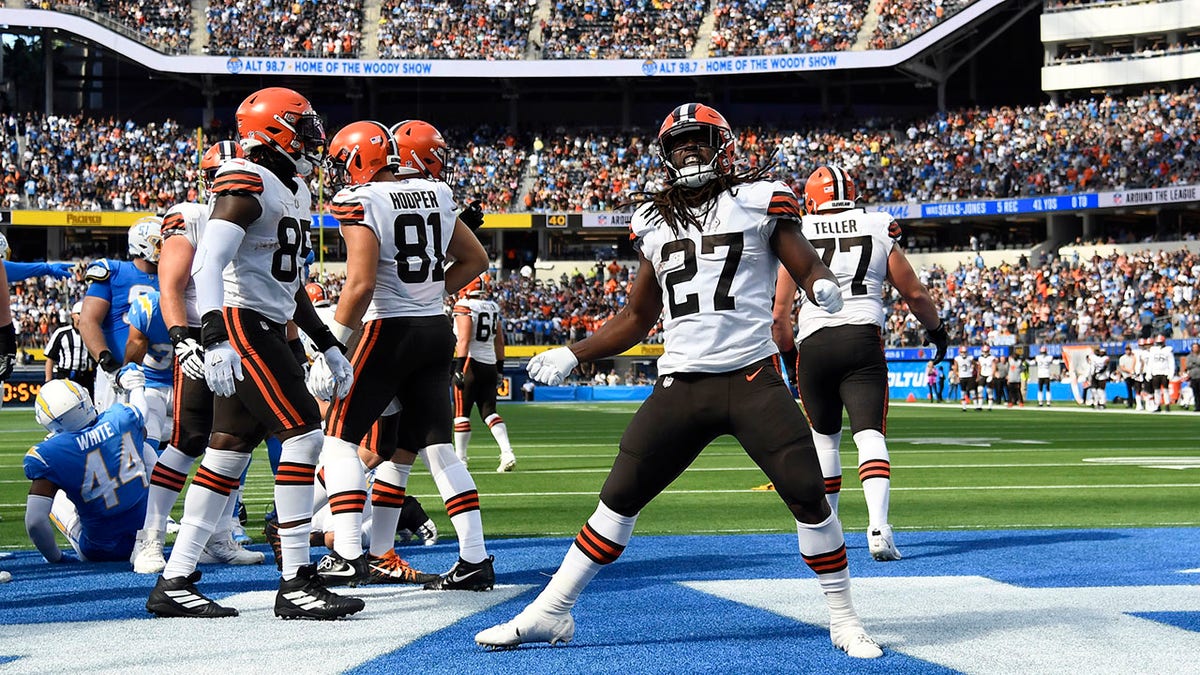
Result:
237,176
347,207
98,270
783,202
894,230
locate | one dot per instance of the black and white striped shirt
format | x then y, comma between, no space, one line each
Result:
68,353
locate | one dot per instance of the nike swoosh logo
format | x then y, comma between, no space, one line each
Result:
456,577
751,376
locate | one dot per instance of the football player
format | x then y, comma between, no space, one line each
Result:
8,340
1127,368
1098,364
248,286
113,285
478,363
399,223
192,404
1160,364
710,246
88,476
1044,364
841,360
967,370
986,364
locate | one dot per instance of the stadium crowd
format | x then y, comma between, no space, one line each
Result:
165,26
474,29
1107,143
279,28
622,29
903,20
747,27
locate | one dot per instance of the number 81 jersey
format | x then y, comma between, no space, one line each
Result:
717,283
265,273
855,245
413,220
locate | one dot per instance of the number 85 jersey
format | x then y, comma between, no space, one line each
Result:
717,283
855,245
265,273
413,220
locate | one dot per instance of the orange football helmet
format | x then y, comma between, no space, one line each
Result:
696,122
422,149
218,153
829,188
363,149
279,118
316,293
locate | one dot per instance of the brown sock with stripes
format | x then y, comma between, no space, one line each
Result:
347,494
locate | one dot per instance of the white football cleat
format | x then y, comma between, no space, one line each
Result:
530,625
223,549
852,638
507,462
881,545
148,555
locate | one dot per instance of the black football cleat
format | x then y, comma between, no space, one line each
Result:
465,576
178,597
305,597
335,570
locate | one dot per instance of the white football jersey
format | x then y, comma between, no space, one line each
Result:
413,220
717,283
1098,364
485,321
1043,363
987,365
965,365
187,220
1143,362
855,245
266,273
1161,361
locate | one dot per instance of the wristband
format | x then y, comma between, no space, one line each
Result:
341,333
212,329
178,334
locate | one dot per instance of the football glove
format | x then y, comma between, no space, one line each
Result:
320,380
189,354
940,339
828,295
131,376
552,367
341,370
108,363
222,368
472,216
458,372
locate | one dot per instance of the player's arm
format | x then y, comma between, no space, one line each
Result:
805,266
174,270
362,265
498,343
463,330
470,259
223,235
136,346
781,312
37,519
631,324
91,317
904,279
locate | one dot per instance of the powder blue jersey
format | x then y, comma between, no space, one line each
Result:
99,468
120,283
145,315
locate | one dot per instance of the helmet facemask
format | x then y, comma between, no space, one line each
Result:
693,153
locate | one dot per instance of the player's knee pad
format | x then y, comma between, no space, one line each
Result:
827,452
305,448
440,457
462,424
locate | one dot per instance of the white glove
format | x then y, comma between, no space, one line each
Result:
222,368
828,296
320,380
190,356
131,376
343,373
552,367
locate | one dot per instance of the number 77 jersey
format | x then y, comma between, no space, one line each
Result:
717,283
413,220
855,245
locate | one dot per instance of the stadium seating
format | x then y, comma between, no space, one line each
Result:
438,29
165,25
745,27
613,29
273,28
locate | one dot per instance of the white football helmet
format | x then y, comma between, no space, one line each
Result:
64,407
3,247
145,239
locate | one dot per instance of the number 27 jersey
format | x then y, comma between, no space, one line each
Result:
718,283
413,219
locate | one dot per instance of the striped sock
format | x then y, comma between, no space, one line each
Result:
600,542
215,480
457,489
875,472
347,495
831,465
293,497
500,432
387,498
824,551
166,482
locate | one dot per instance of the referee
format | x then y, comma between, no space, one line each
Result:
66,357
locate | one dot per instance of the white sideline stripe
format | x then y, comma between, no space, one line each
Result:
1192,571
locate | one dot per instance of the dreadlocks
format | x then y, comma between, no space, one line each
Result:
682,207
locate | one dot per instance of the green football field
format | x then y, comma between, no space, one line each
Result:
1020,468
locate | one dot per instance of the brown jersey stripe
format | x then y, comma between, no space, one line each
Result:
235,185
173,222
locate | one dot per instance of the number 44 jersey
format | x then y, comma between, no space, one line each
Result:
266,271
855,245
717,283
413,220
